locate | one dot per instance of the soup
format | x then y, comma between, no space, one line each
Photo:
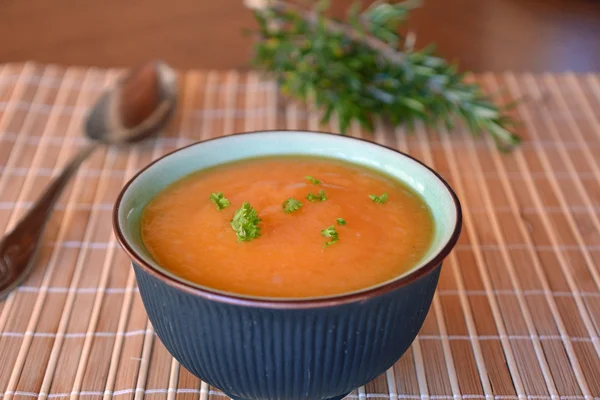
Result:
287,227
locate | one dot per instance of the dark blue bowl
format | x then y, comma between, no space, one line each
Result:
261,348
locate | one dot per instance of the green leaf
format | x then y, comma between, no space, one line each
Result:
379,199
505,139
321,196
312,180
245,223
219,199
331,233
354,17
329,108
412,103
322,5
291,205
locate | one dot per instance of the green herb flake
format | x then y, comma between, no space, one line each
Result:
219,199
341,221
245,223
330,233
379,199
291,205
312,180
321,196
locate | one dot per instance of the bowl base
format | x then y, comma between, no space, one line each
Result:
338,397
331,398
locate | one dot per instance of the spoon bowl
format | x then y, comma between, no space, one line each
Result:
141,107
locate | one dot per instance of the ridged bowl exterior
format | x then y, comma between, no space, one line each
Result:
300,353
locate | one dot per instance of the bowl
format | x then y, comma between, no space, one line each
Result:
266,348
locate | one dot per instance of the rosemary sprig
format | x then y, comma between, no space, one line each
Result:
362,68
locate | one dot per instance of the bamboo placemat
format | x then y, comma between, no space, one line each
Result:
517,311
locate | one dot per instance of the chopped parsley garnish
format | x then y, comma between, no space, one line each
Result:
330,233
312,180
321,196
341,221
291,205
245,223
220,201
379,199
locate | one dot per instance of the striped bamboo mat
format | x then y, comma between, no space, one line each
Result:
517,312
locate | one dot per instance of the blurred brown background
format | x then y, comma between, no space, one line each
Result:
484,35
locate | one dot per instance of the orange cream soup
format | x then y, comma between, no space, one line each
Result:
186,234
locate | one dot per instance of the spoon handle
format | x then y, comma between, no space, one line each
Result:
18,248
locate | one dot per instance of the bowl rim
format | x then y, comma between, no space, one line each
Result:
292,303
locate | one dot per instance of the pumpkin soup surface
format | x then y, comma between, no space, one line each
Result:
326,227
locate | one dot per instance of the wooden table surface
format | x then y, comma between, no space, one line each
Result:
517,312
484,35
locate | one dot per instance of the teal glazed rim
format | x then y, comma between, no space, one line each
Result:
120,218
